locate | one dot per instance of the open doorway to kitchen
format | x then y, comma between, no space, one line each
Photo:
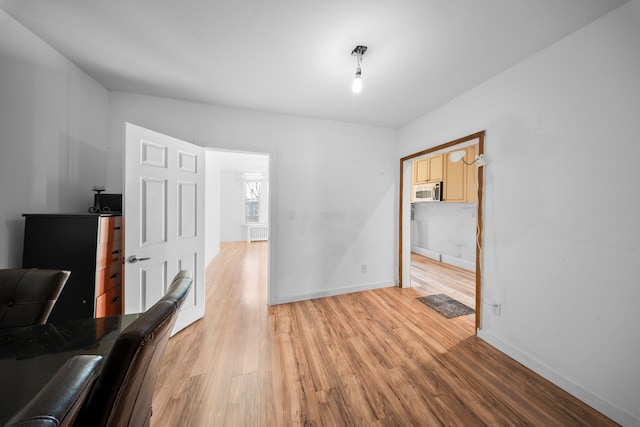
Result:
441,222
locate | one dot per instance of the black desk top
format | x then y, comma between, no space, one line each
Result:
73,214
30,356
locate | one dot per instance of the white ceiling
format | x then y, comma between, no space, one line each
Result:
293,56
243,163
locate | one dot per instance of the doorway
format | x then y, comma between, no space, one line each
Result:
239,196
407,211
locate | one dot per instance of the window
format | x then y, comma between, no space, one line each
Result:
252,202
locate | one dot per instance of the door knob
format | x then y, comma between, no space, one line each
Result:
135,258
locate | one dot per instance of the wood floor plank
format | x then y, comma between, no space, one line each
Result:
374,358
242,404
433,277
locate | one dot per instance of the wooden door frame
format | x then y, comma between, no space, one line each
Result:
479,225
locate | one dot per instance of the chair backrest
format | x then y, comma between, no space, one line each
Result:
58,402
179,288
27,296
123,392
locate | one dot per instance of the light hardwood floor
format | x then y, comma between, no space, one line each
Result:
375,358
431,277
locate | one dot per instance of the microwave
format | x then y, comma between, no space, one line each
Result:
429,192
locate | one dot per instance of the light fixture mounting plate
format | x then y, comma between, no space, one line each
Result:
359,50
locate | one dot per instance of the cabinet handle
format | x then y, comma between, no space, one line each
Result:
117,228
116,299
113,276
116,252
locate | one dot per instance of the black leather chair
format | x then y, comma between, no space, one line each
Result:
27,296
123,392
59,401
177,291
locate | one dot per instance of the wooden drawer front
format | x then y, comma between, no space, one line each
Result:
109,253
109,303
108,278
110,229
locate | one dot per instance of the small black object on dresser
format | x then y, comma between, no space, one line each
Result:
88,245
107,203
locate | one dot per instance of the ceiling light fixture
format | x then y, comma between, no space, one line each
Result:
356,87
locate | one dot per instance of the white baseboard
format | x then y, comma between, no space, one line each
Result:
459,262
333,292
618,415
426,252
448,259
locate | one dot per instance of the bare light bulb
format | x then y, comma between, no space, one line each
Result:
356,86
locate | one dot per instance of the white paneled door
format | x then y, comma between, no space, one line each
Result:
164,224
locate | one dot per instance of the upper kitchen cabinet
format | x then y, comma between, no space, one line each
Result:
435,168
460,178
420,171
428,170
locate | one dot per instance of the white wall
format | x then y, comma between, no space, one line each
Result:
333,187
562,235
212,207
264,202
446,229
53,138
231,203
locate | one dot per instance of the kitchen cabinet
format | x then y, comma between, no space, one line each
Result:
88,245
420,171
428,169
435,168
460,178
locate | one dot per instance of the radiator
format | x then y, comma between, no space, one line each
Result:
257,232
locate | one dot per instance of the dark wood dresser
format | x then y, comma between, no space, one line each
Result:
88,245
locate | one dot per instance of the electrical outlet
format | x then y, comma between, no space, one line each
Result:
363,268
496,309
